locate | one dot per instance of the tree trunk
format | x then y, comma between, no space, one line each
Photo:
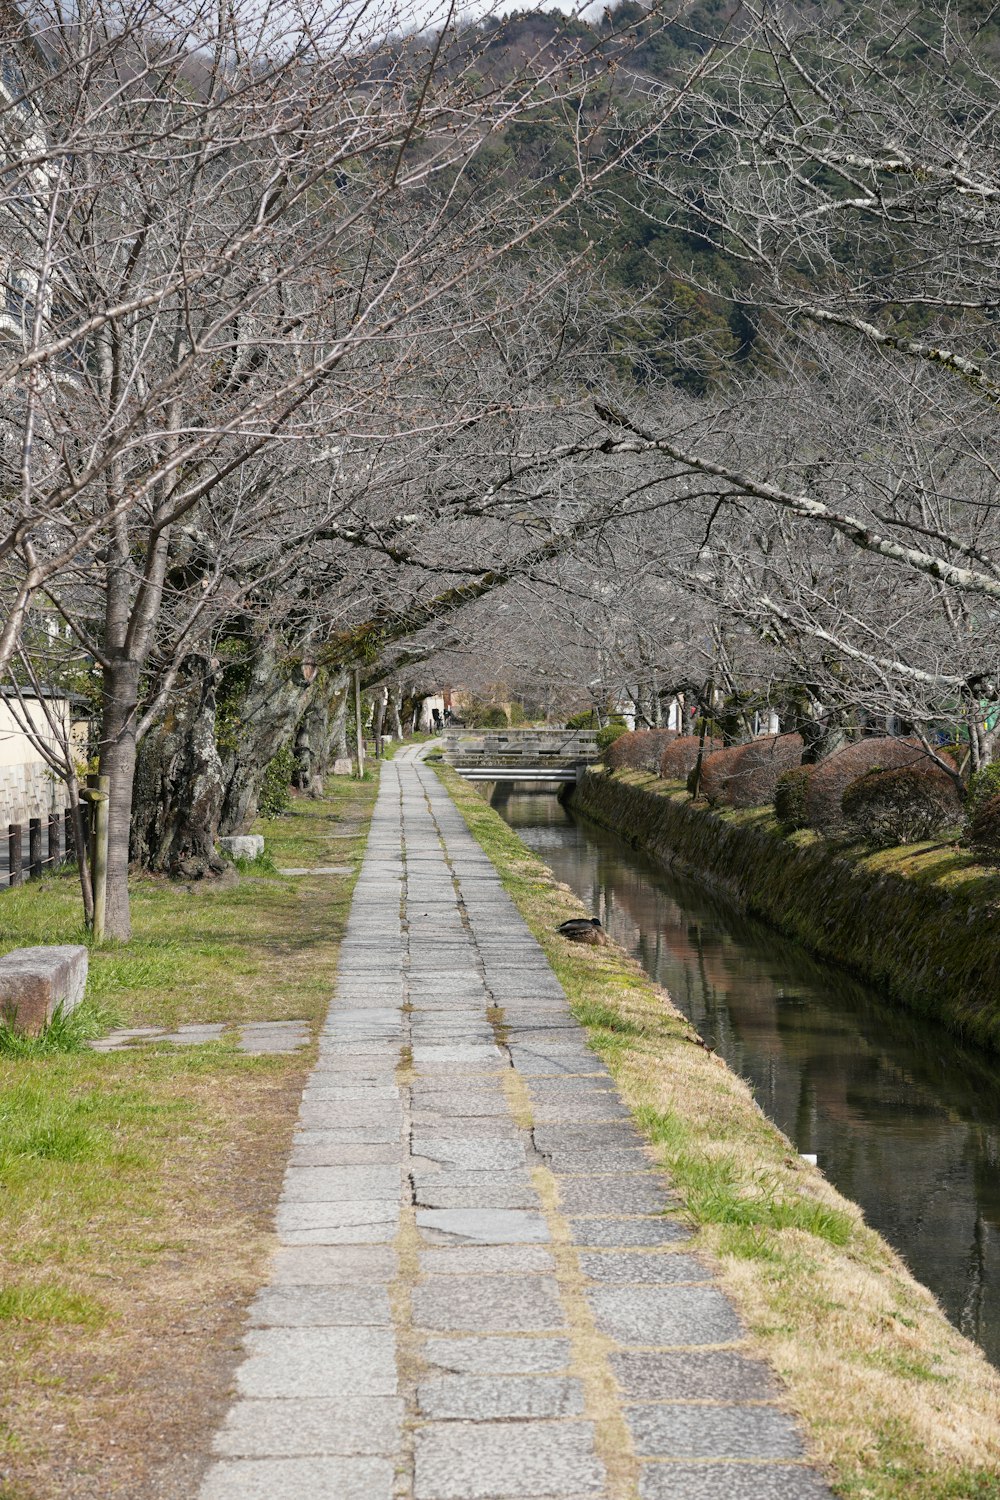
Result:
378,722
179,782
395,722
310,738
264,721
117,762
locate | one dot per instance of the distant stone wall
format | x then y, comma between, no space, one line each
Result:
931,940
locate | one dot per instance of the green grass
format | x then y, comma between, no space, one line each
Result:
48,1302
137,1187
67,1031
261,864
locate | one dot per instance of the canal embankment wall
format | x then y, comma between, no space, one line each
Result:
922,922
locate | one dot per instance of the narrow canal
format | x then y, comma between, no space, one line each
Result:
902,1117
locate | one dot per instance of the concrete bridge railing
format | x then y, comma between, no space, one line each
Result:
520,754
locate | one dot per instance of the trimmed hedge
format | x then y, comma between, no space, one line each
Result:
983,835
790,797
638,750
832,777
901,806
747,775
681,756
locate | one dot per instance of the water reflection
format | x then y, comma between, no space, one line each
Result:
904,1119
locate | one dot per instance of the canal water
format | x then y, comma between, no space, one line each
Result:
902,1117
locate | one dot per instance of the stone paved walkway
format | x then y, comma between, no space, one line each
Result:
478,1294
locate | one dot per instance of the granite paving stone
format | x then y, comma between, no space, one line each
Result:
484,1226
614,1160
473,1190
293,1478
366,1425
337,1223
693,1375
494,1397
328,1362
634,1194
487,1260
485,1155
499,1304
341,1184
736,1432
580,1107
643,1267
677,1481
477,1461
498,1356
664,1315
334,1265
623,1233
320,1307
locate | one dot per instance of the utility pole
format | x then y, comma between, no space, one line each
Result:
360,754
97,794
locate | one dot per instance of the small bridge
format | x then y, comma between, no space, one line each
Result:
520,754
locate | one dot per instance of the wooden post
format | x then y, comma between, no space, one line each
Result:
360,755
14,836
55,829
35,848
98,796
69,837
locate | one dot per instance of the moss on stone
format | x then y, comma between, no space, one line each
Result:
919,921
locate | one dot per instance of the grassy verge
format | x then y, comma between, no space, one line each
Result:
897,1404
137,1188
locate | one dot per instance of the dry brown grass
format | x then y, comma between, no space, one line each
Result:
896,1403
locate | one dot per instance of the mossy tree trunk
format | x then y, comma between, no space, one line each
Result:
179,782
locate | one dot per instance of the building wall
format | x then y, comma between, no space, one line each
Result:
27,787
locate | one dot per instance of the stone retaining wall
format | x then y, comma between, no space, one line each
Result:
931,939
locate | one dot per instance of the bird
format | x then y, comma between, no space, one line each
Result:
584,930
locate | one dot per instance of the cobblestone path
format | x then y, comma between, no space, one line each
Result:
477,1294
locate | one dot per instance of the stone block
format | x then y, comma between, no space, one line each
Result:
286,1429
623,1233
488,1398
321,1307
479,1461
292,1478
498,1356
640,1267
242,845
488,1304
692,1432
722,1481
482,1226
326,1363
664,1315
36,982
702,1375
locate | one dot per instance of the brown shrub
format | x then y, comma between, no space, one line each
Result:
902,805
832,777
681,755
746,775
790,797
639,750
983,832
